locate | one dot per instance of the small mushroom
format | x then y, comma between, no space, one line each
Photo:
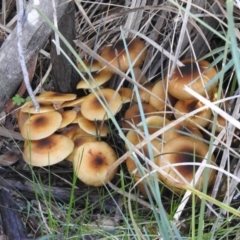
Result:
133,114
78,141
99,78
195,75
154,123
92,64
144,95
67,117
30,109
126,94
93,127
74,130
181,130
57,99
47,151
116,53
221,123
161,94
183,150
41,125
74,103
135,139
93,110
186,106
92,161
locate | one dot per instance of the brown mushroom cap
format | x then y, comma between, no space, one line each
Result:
116,54
154,123
74,130
186,106
92,161
181,130
74,103
220,124
133,114
92,64
29,108
189,75
126,94
47,151
100,78
78,141
139,76
144,95
135,139
92,109
41,125
93,127
57,98
159,91
67,117
181,150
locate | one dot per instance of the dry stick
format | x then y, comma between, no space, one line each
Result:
56,26
21,55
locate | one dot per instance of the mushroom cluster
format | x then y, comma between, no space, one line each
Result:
73,128
162,103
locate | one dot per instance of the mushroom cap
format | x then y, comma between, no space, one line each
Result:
100,78
186,106
220,124
180,150
158,90
47,151
74,103
181,130
74,130
41,125
93,64
154,123
133,114
139,76
67,117
57,98
189,75
135,138
29,108
92,161
116,54
126,94
92,109
78,141
93,127
144,95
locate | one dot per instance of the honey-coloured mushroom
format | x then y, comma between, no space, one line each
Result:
92,109
183,107
117,56
56,98
194,74
47,151
183,150
92,161
41,125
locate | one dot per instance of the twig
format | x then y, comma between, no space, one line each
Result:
21,55
56,26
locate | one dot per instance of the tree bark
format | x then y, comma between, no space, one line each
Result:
65,77
35,34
